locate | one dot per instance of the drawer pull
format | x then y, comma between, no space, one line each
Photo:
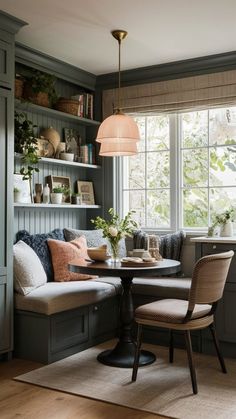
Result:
95,308
214,246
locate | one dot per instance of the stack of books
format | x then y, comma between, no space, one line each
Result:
85,109
87,154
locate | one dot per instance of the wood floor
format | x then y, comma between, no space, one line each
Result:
25,401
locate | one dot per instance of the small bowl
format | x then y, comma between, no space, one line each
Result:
99,254
67,156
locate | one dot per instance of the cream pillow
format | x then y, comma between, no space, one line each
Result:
28,270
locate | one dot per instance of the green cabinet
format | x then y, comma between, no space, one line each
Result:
9,26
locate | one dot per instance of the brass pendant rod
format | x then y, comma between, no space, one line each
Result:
119,34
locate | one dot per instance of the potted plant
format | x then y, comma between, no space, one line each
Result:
26,144
224,220
58,193
76,198
39,88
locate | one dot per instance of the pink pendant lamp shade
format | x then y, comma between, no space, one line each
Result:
119,133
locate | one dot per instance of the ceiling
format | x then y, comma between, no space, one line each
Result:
159,31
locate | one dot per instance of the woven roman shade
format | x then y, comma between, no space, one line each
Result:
197,92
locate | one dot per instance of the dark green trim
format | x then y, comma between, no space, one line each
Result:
169,71
60,69
10,23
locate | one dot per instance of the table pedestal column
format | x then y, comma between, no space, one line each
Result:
123,353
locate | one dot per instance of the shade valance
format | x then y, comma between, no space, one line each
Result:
204,91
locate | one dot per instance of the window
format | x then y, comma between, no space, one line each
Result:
185,170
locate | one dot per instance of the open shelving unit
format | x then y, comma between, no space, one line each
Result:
63,162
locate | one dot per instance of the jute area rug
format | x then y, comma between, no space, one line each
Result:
160,388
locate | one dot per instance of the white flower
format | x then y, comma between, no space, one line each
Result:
113,231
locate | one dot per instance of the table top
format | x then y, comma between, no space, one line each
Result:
164,267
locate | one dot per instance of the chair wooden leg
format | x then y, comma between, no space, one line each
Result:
171,347
190,361
137,353
217,346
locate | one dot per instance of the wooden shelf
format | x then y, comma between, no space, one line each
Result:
28,106
58,206
63,162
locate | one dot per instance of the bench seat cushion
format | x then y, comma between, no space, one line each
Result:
162,287
54,297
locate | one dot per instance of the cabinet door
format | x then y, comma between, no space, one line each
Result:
226,315
6,63
5,317
6,218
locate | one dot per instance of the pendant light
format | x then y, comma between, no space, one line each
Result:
119,133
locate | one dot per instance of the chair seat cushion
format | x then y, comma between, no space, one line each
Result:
54,297
170,311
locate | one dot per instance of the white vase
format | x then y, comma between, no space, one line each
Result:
56,198
226,230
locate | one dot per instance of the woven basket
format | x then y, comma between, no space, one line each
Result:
19,84
68,105
40,98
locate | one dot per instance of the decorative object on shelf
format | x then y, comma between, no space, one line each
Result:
60,149
17,195
115,229
44,148
85,189
224,220
52,136
119,133
38,193
23,187
46,194
85,108
39,89
26,143
62,182
57,195
67,105
19,85
73,142
76,198
67,156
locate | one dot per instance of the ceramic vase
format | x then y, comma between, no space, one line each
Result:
226,230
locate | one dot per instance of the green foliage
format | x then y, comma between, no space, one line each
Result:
61,189
116,228
221,219
43,82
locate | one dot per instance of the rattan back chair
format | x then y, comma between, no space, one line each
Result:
207,286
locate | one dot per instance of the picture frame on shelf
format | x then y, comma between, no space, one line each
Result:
86,190
73,142
23,187
60,181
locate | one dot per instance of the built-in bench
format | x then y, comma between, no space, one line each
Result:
58,319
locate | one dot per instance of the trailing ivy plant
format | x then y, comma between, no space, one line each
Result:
26,144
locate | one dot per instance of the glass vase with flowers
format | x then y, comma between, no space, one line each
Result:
115,229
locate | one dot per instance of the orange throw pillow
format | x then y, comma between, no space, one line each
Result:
62,253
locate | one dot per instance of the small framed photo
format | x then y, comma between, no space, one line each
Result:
23,187
60,181
86,190
73,142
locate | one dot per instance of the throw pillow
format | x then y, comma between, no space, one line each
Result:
94,239
38,242
62,253
28,270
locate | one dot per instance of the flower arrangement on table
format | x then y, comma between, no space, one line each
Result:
115,229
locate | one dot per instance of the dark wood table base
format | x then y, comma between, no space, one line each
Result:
122,356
